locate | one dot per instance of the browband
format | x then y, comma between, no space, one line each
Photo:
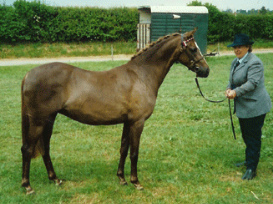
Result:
185,42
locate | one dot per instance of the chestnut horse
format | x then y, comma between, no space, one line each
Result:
125,94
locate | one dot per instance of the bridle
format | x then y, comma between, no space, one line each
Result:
184,45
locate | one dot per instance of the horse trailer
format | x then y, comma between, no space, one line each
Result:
158,21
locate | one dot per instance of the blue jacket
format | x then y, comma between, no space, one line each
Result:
247,80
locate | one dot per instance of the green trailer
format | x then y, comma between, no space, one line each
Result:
158,21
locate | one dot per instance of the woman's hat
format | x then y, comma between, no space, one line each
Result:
241,39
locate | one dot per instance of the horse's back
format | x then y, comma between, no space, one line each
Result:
48,71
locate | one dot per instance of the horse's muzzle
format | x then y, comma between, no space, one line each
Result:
202,72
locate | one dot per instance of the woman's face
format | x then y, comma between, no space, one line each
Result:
240,50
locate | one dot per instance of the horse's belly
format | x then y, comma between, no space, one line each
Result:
95,116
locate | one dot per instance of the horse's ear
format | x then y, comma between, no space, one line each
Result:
194,30
190,34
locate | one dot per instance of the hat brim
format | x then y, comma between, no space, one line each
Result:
238,44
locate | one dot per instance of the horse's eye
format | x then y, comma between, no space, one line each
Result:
194,49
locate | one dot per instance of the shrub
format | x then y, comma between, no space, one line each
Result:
37,22
34,21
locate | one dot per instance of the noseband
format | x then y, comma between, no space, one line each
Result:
184,45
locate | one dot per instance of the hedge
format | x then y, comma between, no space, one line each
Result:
223,26
37,22
34,21
227,25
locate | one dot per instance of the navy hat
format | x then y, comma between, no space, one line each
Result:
241,39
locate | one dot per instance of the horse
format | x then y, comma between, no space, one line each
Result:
123,95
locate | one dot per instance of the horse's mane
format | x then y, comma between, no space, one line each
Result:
152,44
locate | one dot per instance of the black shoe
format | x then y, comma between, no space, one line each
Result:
241,164
249,174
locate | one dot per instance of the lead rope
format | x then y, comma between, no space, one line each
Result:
230,113
231,120
196,81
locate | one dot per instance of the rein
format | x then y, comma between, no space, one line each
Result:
230,113
198,86
184,44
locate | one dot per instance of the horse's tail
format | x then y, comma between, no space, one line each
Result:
39,147
25,119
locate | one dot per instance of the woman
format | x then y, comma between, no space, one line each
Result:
251,100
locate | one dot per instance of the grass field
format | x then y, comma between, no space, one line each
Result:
187,150
78,49
40,50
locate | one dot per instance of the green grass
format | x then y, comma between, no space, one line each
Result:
39,50
258,44
187,150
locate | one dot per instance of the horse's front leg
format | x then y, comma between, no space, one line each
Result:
123,153
134,135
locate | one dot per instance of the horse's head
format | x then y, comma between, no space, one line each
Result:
191,55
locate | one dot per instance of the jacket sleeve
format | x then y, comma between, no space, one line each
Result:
229,81
254,75
229,85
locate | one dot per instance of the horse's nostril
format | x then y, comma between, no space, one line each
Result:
202,72
207,73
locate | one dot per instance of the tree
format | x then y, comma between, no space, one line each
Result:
228,11
263,11
195,3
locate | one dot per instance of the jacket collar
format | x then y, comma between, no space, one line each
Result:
244,57
242,61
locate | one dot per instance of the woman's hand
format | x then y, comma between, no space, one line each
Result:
227,92
231,94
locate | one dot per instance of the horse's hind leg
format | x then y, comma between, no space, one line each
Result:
46,157
123,153
32,133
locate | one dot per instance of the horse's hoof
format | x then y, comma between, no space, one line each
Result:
123,183
58,182
30,191
139,186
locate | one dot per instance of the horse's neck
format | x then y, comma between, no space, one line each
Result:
155,64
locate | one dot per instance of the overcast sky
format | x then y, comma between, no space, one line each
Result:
220,4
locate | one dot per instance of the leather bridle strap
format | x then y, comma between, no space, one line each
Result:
231,121
230,113
198,86
184,45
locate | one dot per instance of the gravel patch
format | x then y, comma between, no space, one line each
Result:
23,61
